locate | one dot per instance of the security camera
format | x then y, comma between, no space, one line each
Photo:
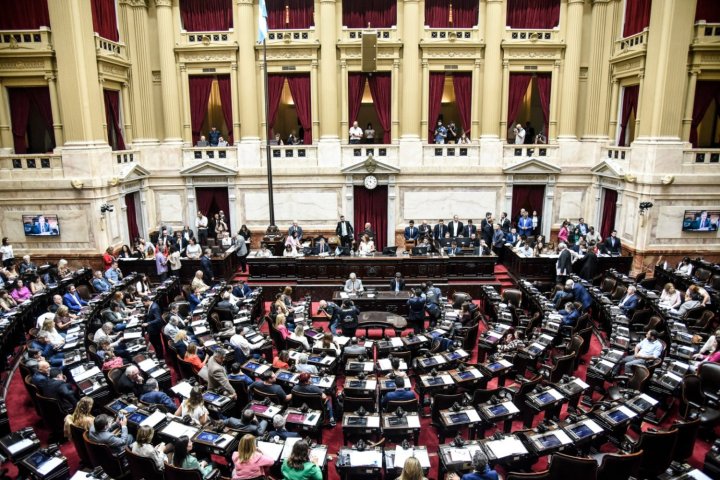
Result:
106,207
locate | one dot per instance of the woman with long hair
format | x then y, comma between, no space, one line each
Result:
182,457
143,446
299,465
194,407
36,284
54,336
280,325
62,318
247,461
412,470
81,417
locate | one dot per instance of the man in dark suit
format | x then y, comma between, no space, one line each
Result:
345,231
57,387
629,302
411,232
400,393
72,300
612,244
153,325
439,230
369,232
702,222
456,227
101,432
425,229
154,396
470,228
322,246
511,237
206,267
416,311
241,290
130,381
295,228
563,266
397,284
486,229
505,223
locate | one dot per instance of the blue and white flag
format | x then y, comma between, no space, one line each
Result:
262,23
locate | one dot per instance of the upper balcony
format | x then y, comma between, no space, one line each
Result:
205,39
37,166
707,33
451,35
292,37
354,35
109,49
531,36
25,41
225,156
633,44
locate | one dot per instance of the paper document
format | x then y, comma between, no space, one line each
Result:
176,430
365,459
271,449
22,444
183,389
132,335
50,465
506,447
86,374
402,454
147,364
156,417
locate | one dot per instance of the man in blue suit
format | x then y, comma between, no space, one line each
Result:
49,353
570,314
72,300
416,311
525,226
581,295
153,325
400,393
629,301
155,396
241,290
411,232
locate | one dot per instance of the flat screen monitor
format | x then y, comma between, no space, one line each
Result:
701,221
617,416
466,375
209,437
210,397
549,441
284,376
581,431
45,225
496,410
420,250
459,418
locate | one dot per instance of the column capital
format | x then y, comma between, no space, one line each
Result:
183,68
695,72
410,1
233,66
245,2
641,75
50,77
577,2
101,80
330,1
135,3
163,3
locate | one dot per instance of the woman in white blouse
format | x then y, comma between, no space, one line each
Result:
143,447
194,407
670,297
367,246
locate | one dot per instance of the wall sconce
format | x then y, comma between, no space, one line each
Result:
77,184
630,178
667,179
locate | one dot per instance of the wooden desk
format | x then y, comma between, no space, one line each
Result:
381,320
393,302
223,265
543,268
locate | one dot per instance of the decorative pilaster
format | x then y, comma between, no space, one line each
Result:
6,138
411,121
135,15
571,70
235,94
246,27
54,107
395,108
185,88
506,92
424,107
101,99
476,106
614,104
125,99
328,70
168,71
554,94
689,105
492,94
601,44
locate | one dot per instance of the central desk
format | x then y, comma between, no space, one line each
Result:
394,302
543,268
372,270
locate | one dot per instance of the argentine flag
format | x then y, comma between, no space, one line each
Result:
262,23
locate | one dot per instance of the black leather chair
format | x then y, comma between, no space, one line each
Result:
76,437
102,456
562,365
441,402
312,400
176,473
659,450
565,466
709,373
352,404
687,434
142,467
260,395
637,382
54,417
619,467
407,405
694,402
544,475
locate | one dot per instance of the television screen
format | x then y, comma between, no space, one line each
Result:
701,220
41,225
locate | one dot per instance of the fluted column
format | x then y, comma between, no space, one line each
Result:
55,108
411,120
135,15
234,95
476,106
6,138
101,99
395,108
614,101
571,70
492,94
168,71
246,28
125,98
74,44
662,102
328,71
554,99
424,104
689,105
505,79
185,88
601,44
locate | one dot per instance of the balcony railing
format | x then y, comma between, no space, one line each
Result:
125,156
456,155
34,39
541,151
702,156
291,36
531,35
108,47
31,165
451,34
353,153
618,153
206,38
355,34
707,32
632,43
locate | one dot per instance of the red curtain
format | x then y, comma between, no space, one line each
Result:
275,87
529,197
376,13
637,16
206,15
630,104
356,86
705,93
437,83
519,83
607,224
131,215
199,86
381,91
533,13
462,83
112,119
371,206
708,10
464,13
22,100
24,15
226,104
300,91
544,83
105,19
211,200
290,14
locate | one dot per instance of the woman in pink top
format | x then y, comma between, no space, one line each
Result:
21,292
247,461
563,234
280,325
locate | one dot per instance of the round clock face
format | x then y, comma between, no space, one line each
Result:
371,182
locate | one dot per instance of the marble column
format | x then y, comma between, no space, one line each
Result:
101,99
571,71
185,89
614,105
689,105
505,78
492,94
476,106
138,48
6,138
410,119
554,99
601,45
246,27
234,95
168,71
125,98
55,108
329,71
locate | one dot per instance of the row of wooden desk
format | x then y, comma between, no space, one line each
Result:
224,266
543,268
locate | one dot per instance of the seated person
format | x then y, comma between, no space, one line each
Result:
182,457
194,299
198,283
327,342
290,251
481,469
564,294
193,407
192,356
72,300
153,395
670,297
264,251
367,246
511,343
32,358
629,302
646,352
304,386
453,249
279,429
101,432
303,366
21,292
525,250
353,284
130,381
400,393
299,336
248,462
143,447
58,388
46,349
250,424
174,323
242,290
237,375
267,385
282,360
41,375
570,314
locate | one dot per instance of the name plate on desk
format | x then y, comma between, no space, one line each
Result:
499,410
